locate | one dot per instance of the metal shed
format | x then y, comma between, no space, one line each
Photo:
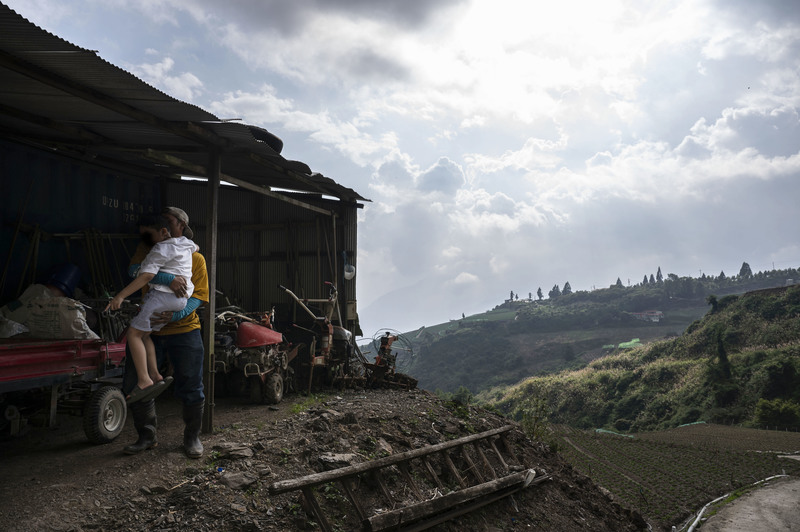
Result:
86,148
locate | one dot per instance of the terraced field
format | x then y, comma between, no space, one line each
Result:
667,476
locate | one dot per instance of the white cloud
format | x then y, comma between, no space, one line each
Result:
763,41
184,86
534,154
451,252
505,144
444,177
348,137
498,264
41,12
466,278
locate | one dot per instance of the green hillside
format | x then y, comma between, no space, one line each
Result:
739,364
521,338
481,355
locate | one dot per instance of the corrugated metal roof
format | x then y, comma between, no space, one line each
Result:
67,98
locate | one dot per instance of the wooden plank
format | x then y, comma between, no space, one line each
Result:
313,505
485,460
454,470
260,190
347,484
509,449
472,467
403,466
376,474
440,518
171,160
396,518
499,456
315,479
432,472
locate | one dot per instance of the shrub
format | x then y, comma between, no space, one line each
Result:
534,417
463,396
778,412
623,425
726,301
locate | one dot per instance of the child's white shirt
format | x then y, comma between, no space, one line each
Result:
174,256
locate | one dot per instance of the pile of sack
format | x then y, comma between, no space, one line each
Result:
48,311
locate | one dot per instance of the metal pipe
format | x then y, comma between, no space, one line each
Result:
299,302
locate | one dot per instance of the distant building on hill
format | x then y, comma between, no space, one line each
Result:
649,315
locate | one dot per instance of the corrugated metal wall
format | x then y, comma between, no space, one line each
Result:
263,243
58,196
349,244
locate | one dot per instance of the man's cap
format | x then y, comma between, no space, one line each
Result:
181,215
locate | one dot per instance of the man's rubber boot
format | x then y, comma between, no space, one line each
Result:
145,422
193,418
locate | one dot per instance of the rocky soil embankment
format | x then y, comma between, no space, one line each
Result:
54,480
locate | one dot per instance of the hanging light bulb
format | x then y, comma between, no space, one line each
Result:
349,269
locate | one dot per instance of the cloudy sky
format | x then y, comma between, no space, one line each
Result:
505,144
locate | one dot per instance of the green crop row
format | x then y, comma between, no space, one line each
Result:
668,476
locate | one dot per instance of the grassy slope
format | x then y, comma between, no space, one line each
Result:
521,339
685,379
496,355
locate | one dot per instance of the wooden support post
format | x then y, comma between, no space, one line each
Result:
210,254
453,470
485,460
403,466
432,472
313,505
347,484
508,447
499,456
472,467
376,474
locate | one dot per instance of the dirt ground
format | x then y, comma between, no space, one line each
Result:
53,479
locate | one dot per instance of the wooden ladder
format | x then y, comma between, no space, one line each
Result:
487,477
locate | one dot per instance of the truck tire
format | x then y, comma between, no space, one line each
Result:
273,388
104,415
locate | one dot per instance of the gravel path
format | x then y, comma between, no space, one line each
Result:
774,507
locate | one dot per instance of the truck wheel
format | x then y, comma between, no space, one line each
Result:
105,414
273,388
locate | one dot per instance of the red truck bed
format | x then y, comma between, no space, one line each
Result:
30,363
